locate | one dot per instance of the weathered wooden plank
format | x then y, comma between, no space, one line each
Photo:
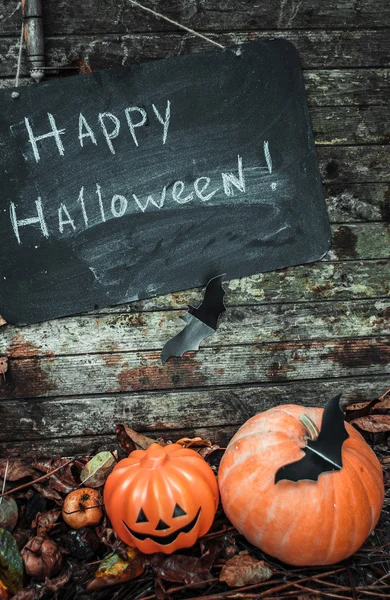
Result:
230,365
313,282
351,125
337,87
347,87
90,445
358,202
318,49
360,241
240,325
354,164
151,411
98,16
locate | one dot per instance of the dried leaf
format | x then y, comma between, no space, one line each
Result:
55,584
179,568
373,423
114,570
61,481
131,440
11,563
96,471
243,569
46,521
8,513
37,503
82,543
4,595
42,558
362,409
209,450
2,322
197,441
3,364
16,470
48,493
29,593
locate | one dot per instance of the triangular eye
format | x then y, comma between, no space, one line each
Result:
178,512
142,517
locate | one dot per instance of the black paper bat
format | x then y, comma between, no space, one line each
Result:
324,453
200,322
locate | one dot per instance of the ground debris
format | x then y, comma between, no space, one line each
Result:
96,564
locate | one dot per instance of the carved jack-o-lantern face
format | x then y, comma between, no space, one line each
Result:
162,498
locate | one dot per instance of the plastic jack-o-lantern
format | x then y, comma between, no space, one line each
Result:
305,496
161,499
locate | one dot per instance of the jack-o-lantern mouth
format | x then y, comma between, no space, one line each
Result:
164,540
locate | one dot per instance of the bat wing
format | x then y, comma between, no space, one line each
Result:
212,305
323,454
188,339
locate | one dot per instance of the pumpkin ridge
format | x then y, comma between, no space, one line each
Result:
363,481
369,457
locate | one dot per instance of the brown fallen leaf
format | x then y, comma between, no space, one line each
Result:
130,440
29,593
3,365
114,570
55,584
46,521
374,423
243,569
2,322
17,469
4,595
48,493
179,568
62,481
197,441
362,409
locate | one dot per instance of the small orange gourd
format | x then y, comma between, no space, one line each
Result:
299,522
161,499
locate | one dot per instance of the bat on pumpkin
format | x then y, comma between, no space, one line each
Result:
200,322
324,453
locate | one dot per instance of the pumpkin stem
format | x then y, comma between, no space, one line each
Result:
311,427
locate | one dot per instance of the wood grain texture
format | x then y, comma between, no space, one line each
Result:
336,87
317,49
240,325
98,16
79,416
92,444
228,365
296,335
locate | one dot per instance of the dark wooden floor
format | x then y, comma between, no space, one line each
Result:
297,335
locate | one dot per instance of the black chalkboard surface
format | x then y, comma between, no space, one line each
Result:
133,182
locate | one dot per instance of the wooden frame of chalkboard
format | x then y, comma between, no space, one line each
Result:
135,182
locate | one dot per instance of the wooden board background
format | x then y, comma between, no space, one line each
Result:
296,335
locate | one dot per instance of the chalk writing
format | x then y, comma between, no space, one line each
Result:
203,189
109,124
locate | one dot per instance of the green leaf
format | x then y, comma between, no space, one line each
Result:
96,471
8,513
11,563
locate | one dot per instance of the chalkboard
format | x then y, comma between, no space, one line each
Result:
134,182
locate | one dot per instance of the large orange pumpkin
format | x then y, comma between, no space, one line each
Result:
161,499
304,522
